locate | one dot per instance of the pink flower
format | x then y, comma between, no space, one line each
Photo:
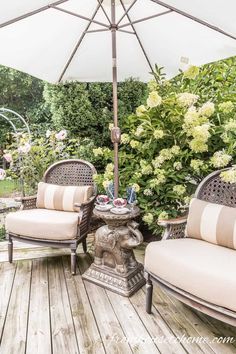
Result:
2,174
61,135
24,149
8,157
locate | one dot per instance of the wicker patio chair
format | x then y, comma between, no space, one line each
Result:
67,228
198,272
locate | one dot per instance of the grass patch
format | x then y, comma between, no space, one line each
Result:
7,188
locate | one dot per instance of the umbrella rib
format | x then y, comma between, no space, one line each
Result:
31,13
146,18
100,3
138,38
196,19
81,16
121,30
126,11
79,42
98,30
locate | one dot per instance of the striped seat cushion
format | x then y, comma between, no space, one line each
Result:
54,197
214,223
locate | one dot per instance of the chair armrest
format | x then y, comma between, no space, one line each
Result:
85,210
81,206
174,228
27,202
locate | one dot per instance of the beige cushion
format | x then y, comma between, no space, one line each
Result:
198,267
214,223
43,224
52,196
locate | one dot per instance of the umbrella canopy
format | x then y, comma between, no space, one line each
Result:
53,40
82,39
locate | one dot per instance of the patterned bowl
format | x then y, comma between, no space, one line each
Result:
102,199
119,202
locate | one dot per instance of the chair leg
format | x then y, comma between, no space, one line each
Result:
84,244
10,249
73,261
149,290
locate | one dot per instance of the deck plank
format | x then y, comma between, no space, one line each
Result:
134,330
39,305
160,332
218,328
89,340
39,332
15,329
203,328
109,327
178,324
62,327
7,274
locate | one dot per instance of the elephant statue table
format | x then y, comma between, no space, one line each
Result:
115,266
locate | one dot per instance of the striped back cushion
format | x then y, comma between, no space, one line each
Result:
51,196
214,223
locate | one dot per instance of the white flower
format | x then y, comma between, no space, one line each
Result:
110,168
175,149
226,107
141,110
24,149
229,176
2,174
196,165
125,139
148,192
154,99
8,157
179,189
186,99
136,187
106,183
201,132
163,215
220,159
148,218
134,144
139,130
158,133
111,126
197,145
178,165
207,109
192,72
230,125
158,161
98,152
48,133
61,135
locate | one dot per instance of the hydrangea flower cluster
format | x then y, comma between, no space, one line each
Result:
226,107
187,99
220,159
229,176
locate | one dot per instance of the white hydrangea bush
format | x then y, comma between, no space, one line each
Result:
180,134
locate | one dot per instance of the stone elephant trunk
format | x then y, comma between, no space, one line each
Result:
135,238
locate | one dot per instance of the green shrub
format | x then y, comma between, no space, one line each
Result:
186,129
85,109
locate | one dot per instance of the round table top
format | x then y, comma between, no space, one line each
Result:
107,215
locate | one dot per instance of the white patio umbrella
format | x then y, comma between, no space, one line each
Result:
83,39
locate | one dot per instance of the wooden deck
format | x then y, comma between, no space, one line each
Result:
43,309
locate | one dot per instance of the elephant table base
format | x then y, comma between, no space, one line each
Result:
115,267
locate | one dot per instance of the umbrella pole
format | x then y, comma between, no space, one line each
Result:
115,133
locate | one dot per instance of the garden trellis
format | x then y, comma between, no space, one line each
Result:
19,125
66,40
